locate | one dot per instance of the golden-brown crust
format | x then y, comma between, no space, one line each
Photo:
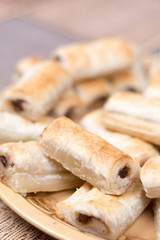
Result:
139,149
150,178
135,147
38,90
24,168
88,156
14,127
153,88
133,114
156,208
65,128
132,79
24,64
132,126
127,81
67,104
94,59
104,215
46,78
92,90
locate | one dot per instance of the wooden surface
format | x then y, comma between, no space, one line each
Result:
138,20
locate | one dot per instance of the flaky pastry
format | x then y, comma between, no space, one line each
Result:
106,216
96,58
24,168
88,156
157,217
135,147
133,114
150,177
14,127
153,88
35,94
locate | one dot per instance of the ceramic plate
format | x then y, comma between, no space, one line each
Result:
39,210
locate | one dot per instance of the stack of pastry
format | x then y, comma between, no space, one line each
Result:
75,121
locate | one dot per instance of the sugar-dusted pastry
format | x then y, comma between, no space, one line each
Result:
24,168
96,58
35,94
68,104
14,127
135,147
88,156
150,177
153,89
107,216
92,91
24,65
157,217
133,79
133,114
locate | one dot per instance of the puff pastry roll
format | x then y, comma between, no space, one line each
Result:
35,94
137,148
150,177
14,127
96,58
157,217
88,156
24,168
93,91
133,114
133,80
103,215
81,98
153,89
68,105
24,65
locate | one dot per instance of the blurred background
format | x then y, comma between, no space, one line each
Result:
138,20
36,27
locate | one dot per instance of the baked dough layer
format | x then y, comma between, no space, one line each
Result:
134,105
133,79
135,147
92,90
24,168
133,114
106,216
153,89
142,129
68,104
14,127
35,94
150,177
88,156
157,217
24,65
96,58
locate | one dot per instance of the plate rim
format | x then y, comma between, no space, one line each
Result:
47,224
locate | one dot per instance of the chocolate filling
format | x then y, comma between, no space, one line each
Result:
4,161
82,218
131,89
57,58
123,172
12,164
18,105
